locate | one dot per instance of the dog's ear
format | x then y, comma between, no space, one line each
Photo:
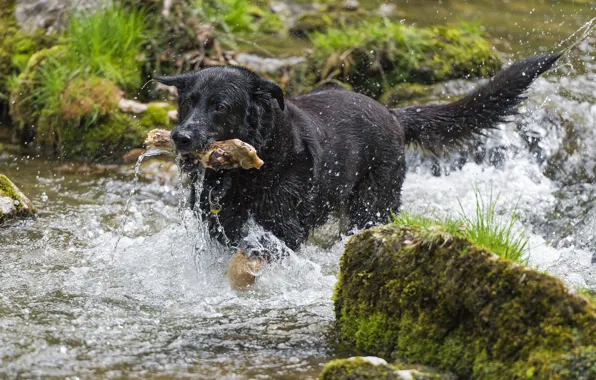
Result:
265,86
177,81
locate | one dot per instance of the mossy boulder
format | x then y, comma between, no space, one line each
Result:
13,203
105,133
27,101
374,57
406,93
323,19
311,22
16,47
89,98
372,368
423,295
76,118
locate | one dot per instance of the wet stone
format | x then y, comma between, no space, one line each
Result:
13,202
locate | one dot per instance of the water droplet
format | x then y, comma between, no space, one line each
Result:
44,197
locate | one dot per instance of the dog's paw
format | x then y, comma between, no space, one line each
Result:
243,270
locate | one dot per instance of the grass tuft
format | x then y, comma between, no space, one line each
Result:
105,43
485,228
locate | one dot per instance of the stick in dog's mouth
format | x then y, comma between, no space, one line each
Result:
227,154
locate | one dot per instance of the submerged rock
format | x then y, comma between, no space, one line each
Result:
13,202
425,296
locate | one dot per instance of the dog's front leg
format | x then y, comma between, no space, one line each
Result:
254,251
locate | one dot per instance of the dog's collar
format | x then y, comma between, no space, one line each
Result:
214,205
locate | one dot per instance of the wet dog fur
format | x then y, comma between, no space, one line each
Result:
330,150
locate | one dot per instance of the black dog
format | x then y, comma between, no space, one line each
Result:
325,151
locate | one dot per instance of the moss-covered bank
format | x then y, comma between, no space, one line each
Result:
426,296
65,101
13,203
76,118
375,57
16,47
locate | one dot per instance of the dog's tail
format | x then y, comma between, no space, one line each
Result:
437,128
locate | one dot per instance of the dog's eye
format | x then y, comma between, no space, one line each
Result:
221,108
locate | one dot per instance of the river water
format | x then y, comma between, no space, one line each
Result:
87,290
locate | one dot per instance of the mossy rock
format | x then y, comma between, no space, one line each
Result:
26,104
89,99
13,203
83,122
372,368
110,136
425,296
374,57
310,22
406,93
321,20
16,47
105,140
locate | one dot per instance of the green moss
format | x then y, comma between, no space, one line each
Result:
7,189
358,368
75,118
16,47
446,303
322,20
19,204
70,92
405,93
88,99
107,139
37,91
155,117
373,57
311,22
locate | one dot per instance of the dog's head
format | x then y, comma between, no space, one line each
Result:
221,103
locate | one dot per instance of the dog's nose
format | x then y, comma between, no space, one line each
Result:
181,140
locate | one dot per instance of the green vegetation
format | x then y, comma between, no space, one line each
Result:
403,94
107,138
63,89
13,202
373,57
233,16
358,368
16,48
485,229
106,43
66,97
324,19
424,293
